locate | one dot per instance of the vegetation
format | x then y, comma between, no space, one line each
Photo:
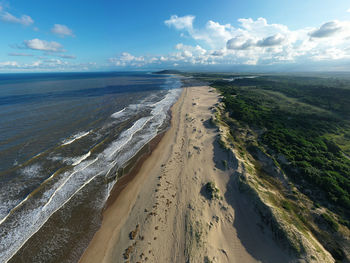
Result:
212,190
330,221
300,121
168,71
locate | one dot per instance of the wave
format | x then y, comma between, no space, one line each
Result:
118,114
47,218
65,181
125,137
75,137
81,158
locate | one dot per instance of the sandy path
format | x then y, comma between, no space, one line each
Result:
165,207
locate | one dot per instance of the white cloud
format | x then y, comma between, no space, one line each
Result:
8,64
62,30
214,34
255,42
251,42
326,30
239,43
348,10
270,41
126,59
24,20
38,44
184,22
218,53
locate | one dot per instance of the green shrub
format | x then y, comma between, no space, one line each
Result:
212,190
332,223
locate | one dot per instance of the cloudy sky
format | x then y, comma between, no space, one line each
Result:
242,35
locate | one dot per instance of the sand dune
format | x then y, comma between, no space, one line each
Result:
164,213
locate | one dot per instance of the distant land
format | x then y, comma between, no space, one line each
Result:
168,71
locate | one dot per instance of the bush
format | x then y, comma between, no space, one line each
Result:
332,223
212,191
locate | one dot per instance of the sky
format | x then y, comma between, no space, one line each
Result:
206,35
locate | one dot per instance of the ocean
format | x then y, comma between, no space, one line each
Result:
63,137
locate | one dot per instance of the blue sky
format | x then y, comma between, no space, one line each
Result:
198,35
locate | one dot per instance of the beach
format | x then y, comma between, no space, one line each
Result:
162,212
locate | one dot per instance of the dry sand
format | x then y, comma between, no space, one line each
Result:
164,215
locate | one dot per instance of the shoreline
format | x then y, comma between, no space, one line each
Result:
132,166
127,179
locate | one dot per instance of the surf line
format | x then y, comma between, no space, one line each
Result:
65,181
81,187
75,137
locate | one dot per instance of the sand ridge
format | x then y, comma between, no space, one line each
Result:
165,215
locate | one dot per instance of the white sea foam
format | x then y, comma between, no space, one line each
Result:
118,114
75,137
66,180
31,171
81,158
125,137
47,218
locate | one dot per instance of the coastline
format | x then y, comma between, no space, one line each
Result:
162,212
117,197
132,167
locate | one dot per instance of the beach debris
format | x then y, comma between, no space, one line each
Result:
197,148
216,218
128,251
133,233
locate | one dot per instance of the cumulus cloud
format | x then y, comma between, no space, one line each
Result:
326,30
218,53
184,22
126,59
214,34
24,20
62,30
38,44
239,43
250,42
259,42
348,10
270,41
184,54
243,43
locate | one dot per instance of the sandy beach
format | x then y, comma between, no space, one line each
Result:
163,213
